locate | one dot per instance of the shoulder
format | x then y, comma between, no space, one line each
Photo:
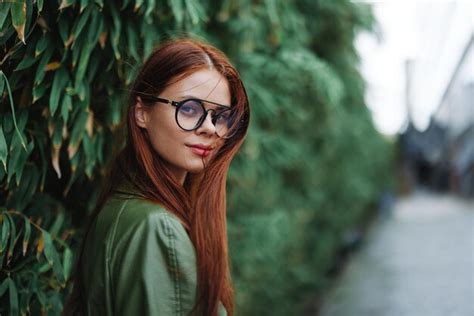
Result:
148,233
134,216
151,260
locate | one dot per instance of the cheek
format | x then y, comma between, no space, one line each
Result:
164,133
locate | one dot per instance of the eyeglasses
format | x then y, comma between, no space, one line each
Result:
191,113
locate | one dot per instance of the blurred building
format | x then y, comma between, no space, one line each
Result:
441,157
456,115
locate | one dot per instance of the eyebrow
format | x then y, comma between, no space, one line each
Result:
184,97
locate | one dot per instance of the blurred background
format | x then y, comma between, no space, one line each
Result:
420,87
353,193
418,256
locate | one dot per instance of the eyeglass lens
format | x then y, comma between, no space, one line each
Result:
190,115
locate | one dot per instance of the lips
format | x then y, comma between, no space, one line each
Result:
200,149
200,146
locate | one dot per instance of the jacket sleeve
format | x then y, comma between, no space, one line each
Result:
153,268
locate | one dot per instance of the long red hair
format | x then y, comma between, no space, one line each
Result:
200,203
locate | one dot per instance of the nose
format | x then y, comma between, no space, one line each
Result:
207,126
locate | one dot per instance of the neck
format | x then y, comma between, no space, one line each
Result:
178,174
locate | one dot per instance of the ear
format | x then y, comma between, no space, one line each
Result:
141,113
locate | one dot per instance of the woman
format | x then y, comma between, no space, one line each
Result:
156,243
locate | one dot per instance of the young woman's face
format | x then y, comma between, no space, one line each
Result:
175,145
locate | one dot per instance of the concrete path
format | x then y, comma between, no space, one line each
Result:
419,261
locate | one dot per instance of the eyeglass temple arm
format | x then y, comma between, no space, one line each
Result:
174,103
157,99
163,100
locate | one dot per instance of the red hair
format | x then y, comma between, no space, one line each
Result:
200,203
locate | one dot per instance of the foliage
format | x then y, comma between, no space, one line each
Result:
310,170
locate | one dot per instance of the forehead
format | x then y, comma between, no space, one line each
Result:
204,84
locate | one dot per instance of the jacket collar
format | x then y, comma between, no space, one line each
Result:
126,188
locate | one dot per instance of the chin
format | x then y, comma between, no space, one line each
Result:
196,164
195,167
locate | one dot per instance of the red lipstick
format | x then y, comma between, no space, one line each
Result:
200,149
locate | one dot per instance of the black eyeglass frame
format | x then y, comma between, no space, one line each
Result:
178,104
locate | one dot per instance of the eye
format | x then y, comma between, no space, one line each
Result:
191,108
223,116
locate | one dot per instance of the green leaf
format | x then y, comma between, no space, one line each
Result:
25,299
41,296
149,10
129,76
3,148
2,85
8,33
65,4
40,144
77,50
4,286
178,11
84,4
18,13
53,257
132,41
58,223
12,107
93,67
27,234
41,70
67,262
5,233
40,5
138,4
80,23
22,160
99,146
114,113
149,38
22,195
15,152
195,10
77,132
38,91
74,161
25,63
42,44
100,3
61,78
22,119
66,107
115,31
83,63
88,146
63,27
12,236
13,293
83,91
4,9
28,57
94,28
272,11
124,4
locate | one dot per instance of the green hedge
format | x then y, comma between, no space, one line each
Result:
311,169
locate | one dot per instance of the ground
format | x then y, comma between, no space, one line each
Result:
417,261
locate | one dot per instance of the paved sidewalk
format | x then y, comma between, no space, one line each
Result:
417,262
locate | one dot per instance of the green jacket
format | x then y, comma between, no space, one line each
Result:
139,260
